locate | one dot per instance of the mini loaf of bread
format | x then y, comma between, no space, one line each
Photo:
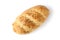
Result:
30,19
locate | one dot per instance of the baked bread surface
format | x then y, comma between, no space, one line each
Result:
30,19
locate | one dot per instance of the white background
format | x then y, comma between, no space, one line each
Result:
10,9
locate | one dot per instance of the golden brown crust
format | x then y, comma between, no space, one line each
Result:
30,19
35,15
18,29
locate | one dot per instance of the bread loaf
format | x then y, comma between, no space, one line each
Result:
30,19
